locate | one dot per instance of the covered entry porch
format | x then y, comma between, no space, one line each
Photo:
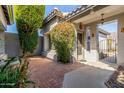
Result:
86,23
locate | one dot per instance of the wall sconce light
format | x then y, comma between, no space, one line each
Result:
122,30
92,34
81,25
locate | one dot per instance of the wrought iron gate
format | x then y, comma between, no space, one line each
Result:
108,50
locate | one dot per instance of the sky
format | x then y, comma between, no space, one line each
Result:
64,8
49,8
110,27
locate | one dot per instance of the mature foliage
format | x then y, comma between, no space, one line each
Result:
9,74
28,19
62,36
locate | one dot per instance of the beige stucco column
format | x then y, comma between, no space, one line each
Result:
120,56
92,55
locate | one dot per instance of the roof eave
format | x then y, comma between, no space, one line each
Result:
8,12
78,12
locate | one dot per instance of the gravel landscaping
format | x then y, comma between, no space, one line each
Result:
116,80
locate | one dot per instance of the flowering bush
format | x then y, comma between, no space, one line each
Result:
62,36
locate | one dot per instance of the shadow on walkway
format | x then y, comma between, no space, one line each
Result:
90,76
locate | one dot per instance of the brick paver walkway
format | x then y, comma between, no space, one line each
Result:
49,74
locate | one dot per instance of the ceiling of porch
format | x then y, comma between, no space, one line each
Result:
96,15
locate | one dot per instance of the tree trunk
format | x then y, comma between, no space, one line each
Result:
23,72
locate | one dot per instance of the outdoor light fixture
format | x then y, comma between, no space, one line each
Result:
81,25
102,19
92,34
122,30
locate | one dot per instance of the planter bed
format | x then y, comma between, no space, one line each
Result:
116,80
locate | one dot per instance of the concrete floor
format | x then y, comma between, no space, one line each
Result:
93,75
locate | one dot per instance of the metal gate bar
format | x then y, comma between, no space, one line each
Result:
108,50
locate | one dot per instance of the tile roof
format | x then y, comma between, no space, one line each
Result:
77,11
54,13
57,12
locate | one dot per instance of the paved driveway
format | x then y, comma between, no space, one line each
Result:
49,74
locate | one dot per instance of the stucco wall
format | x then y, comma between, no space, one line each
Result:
12,47
92,55
48,27
12,44
1,35
46,43
50,54
2,43
120,59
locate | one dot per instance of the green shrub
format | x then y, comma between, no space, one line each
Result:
29,19
9,77
62,36
9,74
